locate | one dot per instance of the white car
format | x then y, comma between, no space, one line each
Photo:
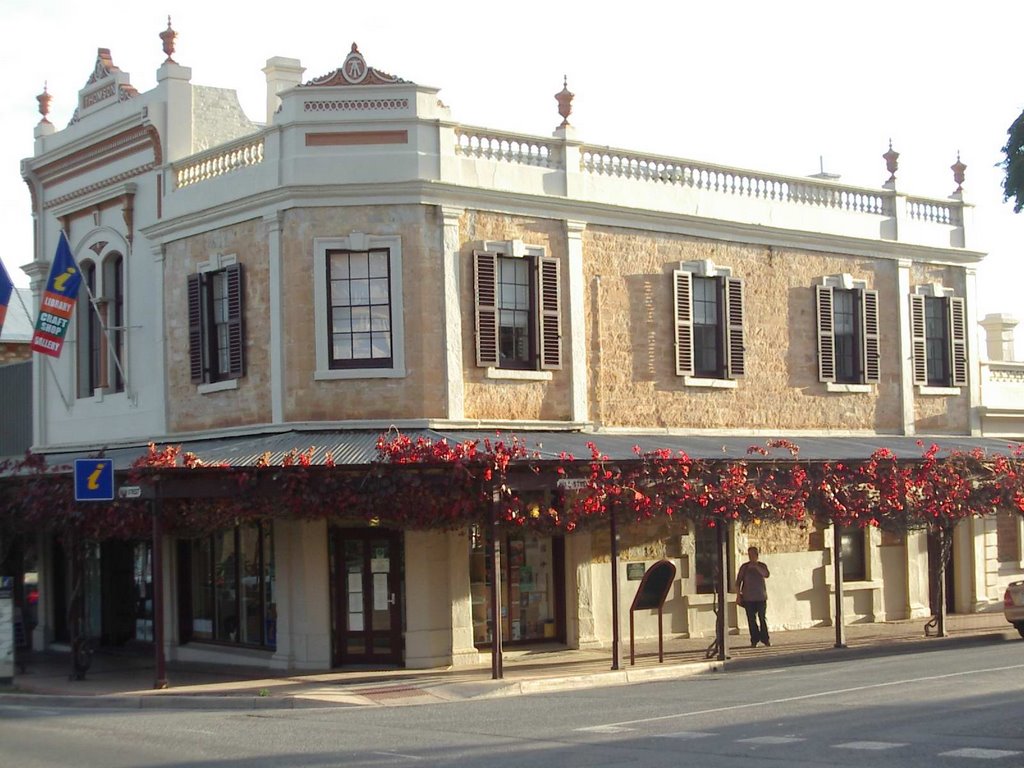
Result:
1013,605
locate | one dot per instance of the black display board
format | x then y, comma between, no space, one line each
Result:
654,587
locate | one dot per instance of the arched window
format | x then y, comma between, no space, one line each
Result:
113,294
88,334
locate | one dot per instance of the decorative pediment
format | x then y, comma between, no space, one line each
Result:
106,85
355,71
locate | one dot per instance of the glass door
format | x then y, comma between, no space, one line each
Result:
367,568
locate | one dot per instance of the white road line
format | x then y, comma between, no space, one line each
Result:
805,697
397,754
980,754
770,740
683,735
605,729
868,745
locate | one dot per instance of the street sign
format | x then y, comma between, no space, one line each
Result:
94,479
572,483
129,492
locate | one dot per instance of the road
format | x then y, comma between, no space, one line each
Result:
960,707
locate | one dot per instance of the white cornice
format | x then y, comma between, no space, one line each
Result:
421,192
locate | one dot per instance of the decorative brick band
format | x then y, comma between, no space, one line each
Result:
349,138
349,105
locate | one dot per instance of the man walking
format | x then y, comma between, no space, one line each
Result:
752,592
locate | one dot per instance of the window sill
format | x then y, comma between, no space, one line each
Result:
864,389
359,373
217,386
693,381
514,375
937,391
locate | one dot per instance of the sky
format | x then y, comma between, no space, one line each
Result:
786,87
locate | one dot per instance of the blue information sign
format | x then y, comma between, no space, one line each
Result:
94,479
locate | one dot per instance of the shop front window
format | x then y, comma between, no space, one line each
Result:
532,591
232,587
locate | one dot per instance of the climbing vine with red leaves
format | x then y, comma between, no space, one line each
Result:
423,484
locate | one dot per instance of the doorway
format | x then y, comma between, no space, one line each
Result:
367,575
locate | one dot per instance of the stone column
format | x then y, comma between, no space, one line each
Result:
582,627
973,358
452,313
577,332
906,355
273,224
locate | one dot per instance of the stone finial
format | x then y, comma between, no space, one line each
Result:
168,36
44,100
891,165
958,169
564,98
999,339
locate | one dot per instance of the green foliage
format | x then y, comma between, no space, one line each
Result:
1013,183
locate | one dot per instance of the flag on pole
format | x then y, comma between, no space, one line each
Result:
58,302
6,288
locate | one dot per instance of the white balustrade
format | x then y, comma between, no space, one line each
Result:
508,147
219,161
732,181
932,211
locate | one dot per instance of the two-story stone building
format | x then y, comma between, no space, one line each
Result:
361,261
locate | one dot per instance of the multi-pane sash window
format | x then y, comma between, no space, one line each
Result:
518,311
359,307
938,329
708,326
100,326
848,340
89,342
215,302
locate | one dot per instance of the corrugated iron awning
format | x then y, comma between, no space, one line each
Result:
356,447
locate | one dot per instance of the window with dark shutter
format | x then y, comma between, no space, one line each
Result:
734,338
549,289
485,276
938,333
195,328
826,337
872,352
216,332
518,310
958,335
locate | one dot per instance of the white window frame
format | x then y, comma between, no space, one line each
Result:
357,241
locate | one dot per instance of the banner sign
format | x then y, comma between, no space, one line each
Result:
58,302
6,287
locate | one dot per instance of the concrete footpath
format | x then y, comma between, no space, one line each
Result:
125,679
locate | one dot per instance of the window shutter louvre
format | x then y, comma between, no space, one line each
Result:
826,335
735,349
236,340
550,315
918,342
195,328
958,339
485,275
682,290
872,352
